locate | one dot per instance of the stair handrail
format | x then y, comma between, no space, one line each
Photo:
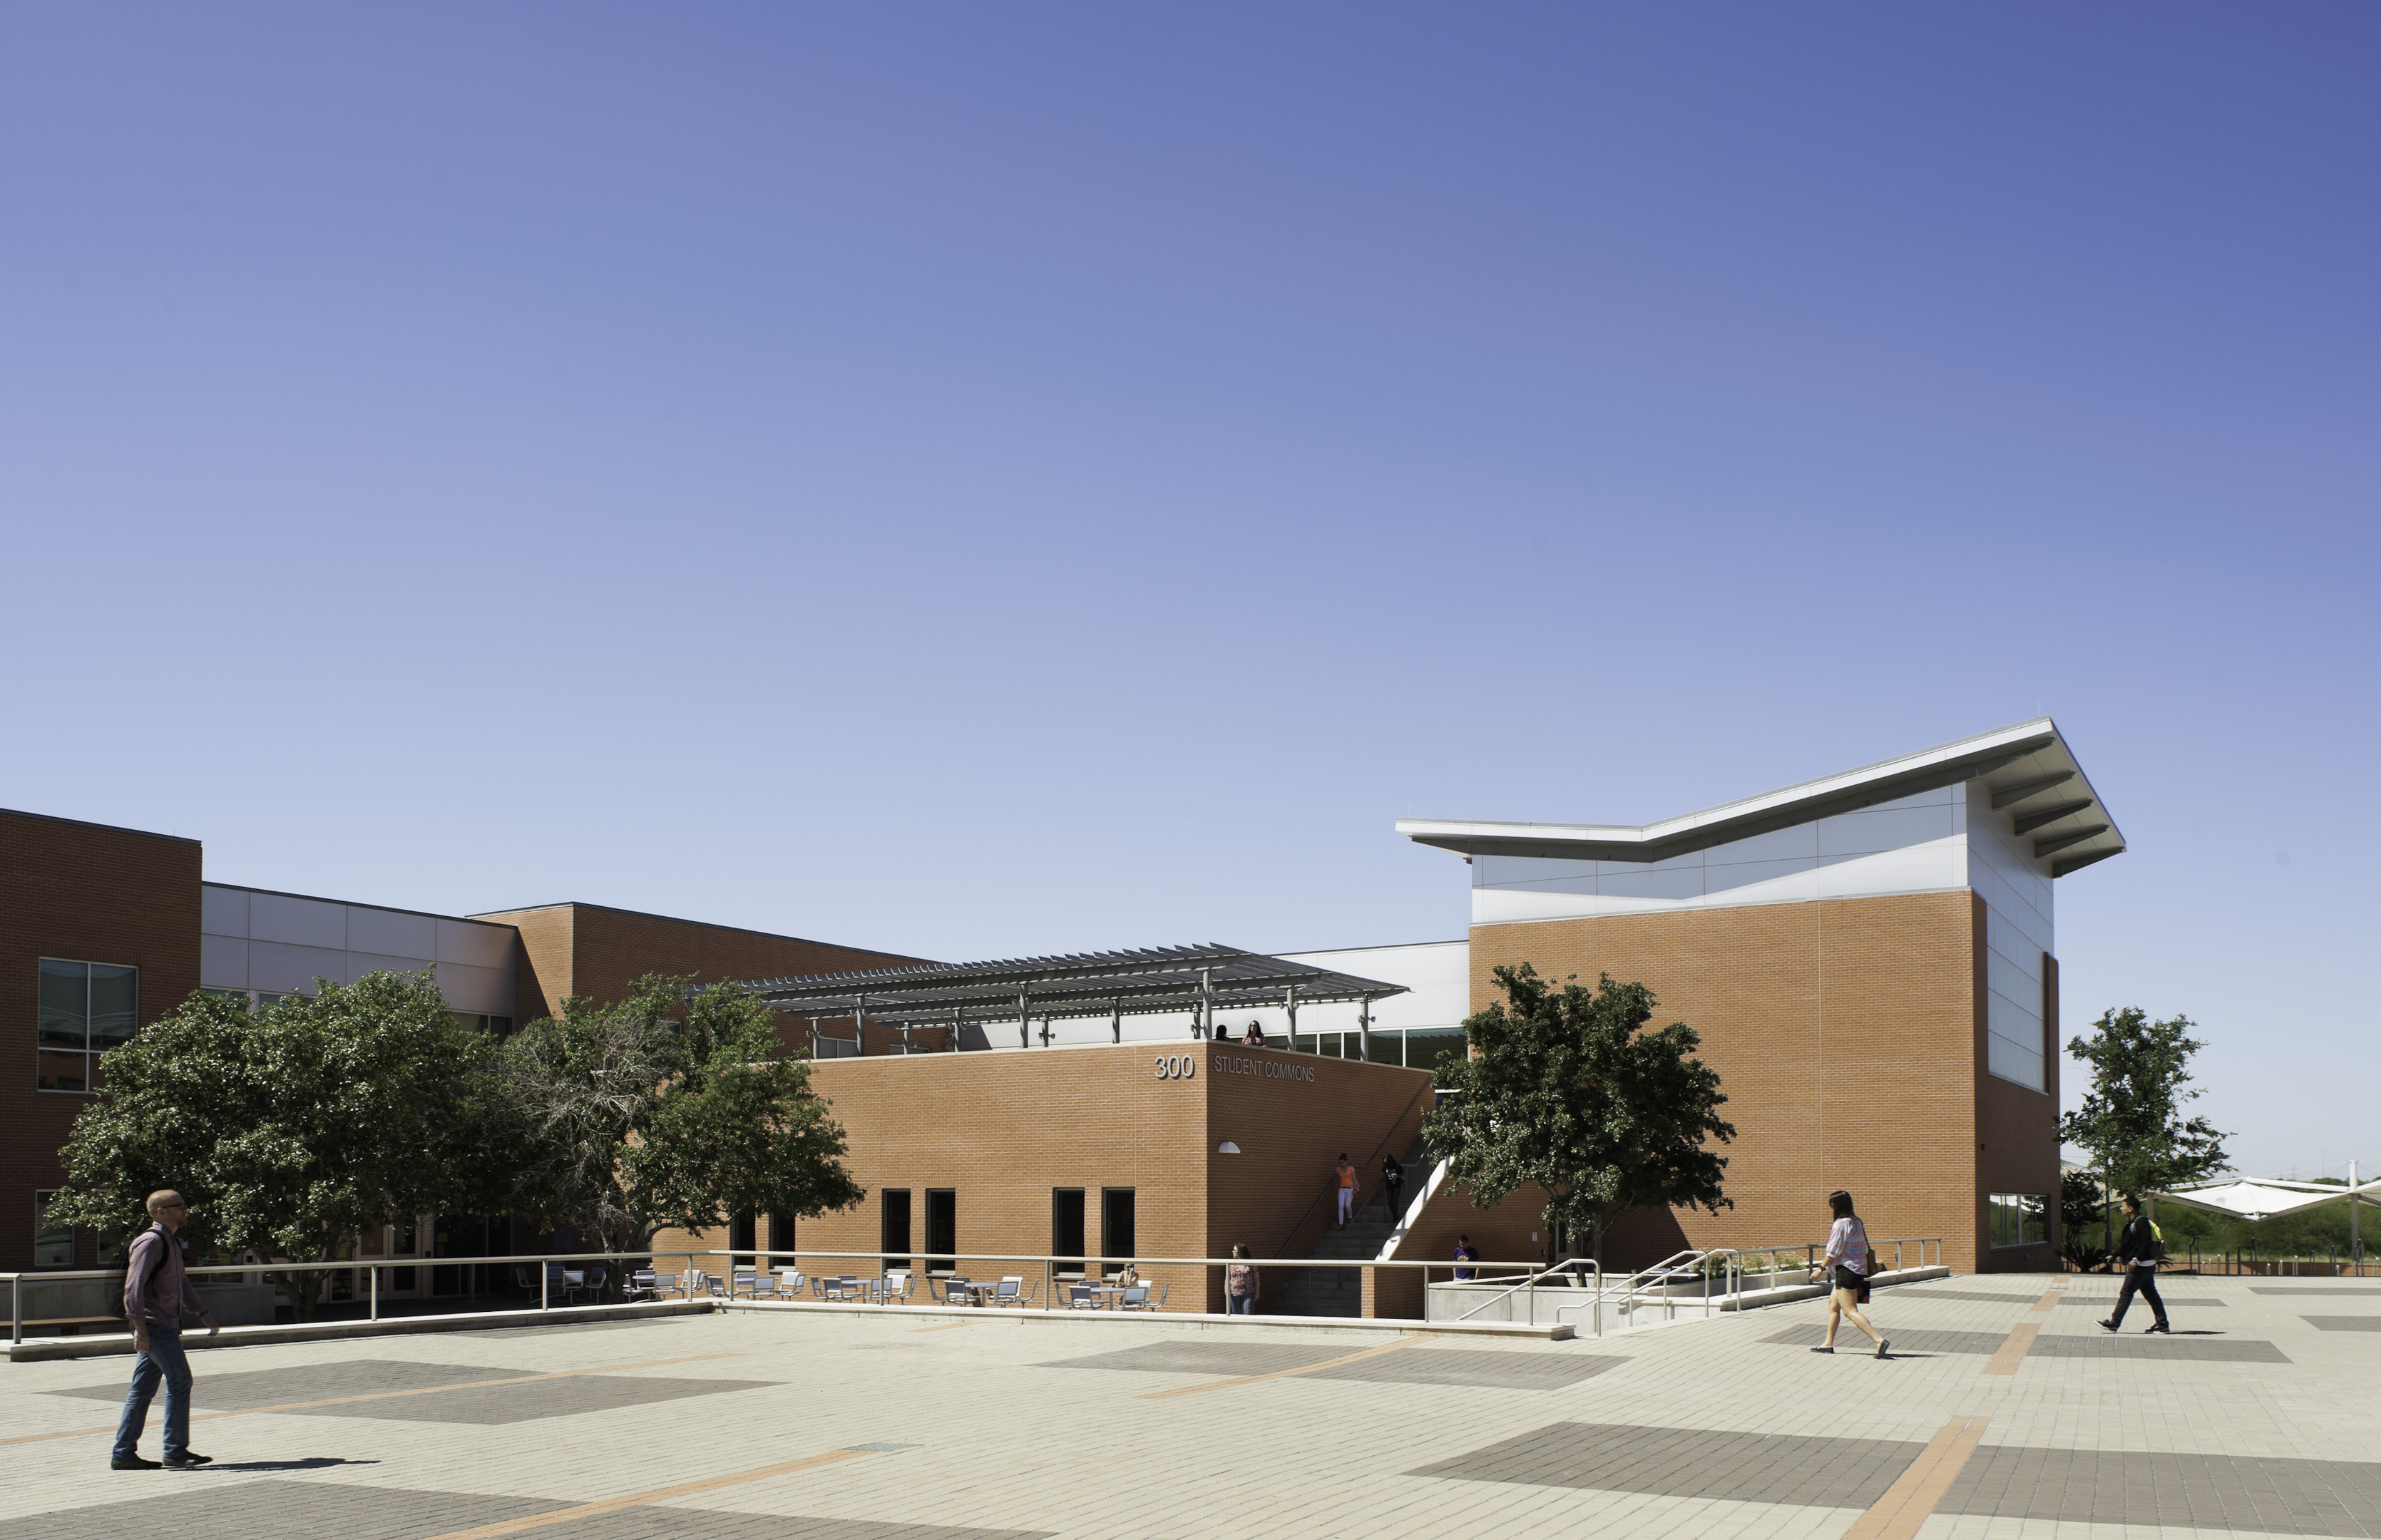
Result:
1530,1282
1333,1185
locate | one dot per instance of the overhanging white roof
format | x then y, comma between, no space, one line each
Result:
2028,768
2268,1199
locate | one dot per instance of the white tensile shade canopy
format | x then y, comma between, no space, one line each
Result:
2268,1199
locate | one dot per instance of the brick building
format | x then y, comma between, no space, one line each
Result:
1871,963
1869,959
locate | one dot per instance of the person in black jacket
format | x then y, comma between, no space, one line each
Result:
2137,1247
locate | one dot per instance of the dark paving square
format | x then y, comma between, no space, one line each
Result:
1493,1371
494,1405
2330,1291
683,1523
2134,1346
1686,1462
2343,1323
1916,1340
1205,1358
2108,1301
2181,1491
307,1382
204,1505
1967,1296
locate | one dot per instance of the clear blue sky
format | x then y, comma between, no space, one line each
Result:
1004,479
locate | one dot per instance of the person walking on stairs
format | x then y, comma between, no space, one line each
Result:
1347,1189
1849,1263
2137,1247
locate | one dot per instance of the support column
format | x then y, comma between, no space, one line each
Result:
1289,1003
1024,1023
1364,1030
1207,1004
1115,1021
2355,1241
859,1022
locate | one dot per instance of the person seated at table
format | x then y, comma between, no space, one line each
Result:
1255,1037
1129,1278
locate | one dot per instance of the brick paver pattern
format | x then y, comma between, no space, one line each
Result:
2256,1418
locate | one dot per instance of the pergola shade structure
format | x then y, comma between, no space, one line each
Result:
2270,1198
1182,980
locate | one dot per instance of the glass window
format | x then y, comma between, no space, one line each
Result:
2020,1219
66,1005
1427,1048
52,1246
86,1009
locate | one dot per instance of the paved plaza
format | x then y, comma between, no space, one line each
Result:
2004,1412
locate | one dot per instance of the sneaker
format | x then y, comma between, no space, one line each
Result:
2108,1325
2159,1326
134,1463
1883,1343
1823,1350
188,1461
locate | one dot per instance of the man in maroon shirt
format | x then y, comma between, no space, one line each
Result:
156,1292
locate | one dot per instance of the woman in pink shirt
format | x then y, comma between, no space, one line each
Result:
1847,1264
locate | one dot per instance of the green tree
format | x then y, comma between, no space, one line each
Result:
2131,1119
625,1118
1566,1088
290,1130
2082,1209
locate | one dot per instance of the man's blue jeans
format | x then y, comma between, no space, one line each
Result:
163,1360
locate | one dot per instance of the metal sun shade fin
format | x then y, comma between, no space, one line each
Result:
2018,792
2048,847
2027,823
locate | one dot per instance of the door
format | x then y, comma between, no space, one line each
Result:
743,1239
941,1228
893,1229
1116,1222
1067,1228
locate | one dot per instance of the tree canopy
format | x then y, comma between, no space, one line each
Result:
2131,1119
291,1129
623,1119
1566,1088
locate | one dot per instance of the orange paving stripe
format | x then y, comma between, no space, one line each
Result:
2021,1337
2050,1299
1910,1501
383,1395
639,1499
1280,1373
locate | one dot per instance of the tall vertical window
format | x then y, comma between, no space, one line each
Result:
52,1244
87,1009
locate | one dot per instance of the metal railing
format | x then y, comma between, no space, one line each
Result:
1684,1280
757,1260
548,1262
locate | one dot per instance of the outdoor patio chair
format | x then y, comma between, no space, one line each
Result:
744,1282
1135,1298
897,1286
958,1291
1162,1290
764,1286
557,1281
1080,1297
789,1281
643,1284
1009,1291
663,1285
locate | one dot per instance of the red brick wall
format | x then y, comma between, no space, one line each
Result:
94,895
1849,1038
586,949
1003,1129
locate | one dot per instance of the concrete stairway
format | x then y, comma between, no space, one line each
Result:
1341,1290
